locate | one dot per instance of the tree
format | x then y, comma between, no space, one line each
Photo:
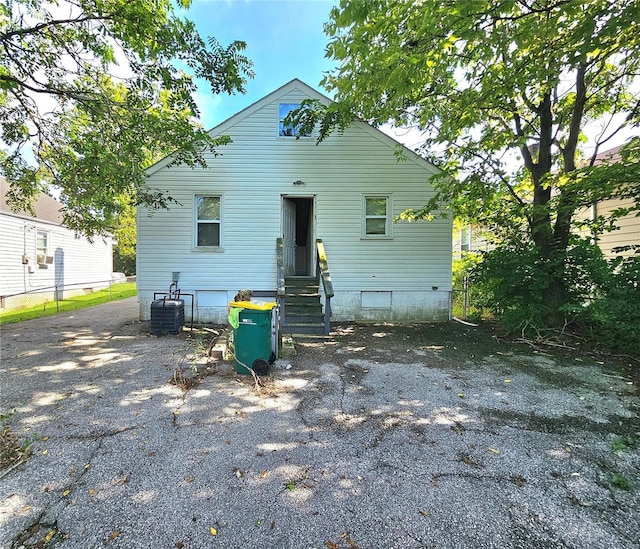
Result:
124,250
504,91
91,91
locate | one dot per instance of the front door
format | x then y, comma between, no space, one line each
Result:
298,235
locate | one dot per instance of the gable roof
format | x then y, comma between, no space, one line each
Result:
297,84
45,207
610,156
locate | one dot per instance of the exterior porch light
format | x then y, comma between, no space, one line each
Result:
298,182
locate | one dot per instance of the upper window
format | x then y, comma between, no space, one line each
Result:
287,130
207,221
377,218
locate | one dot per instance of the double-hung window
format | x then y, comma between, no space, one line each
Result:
465,239
42,243
377,217
208,221
42,248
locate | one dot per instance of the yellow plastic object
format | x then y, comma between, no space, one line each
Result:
256,305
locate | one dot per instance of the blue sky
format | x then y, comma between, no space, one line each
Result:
285,40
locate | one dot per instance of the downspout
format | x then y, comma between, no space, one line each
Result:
25,256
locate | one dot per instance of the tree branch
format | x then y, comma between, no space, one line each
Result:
53,23
575,126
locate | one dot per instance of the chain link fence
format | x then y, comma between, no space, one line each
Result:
51,296
462,303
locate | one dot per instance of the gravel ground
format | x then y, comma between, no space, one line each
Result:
389,436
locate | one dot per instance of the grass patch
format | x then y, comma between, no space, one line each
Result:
118,291
620,481
622,444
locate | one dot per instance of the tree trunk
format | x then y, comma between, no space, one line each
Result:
543,233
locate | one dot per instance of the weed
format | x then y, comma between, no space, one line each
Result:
620,481
621,444
12,451
200,342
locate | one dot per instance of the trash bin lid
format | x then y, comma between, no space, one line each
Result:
257,305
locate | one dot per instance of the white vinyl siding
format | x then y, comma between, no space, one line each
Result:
253,173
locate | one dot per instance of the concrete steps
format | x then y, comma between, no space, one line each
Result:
303,314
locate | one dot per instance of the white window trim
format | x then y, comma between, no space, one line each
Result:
47,235
466,230
220,221
47,255
389,221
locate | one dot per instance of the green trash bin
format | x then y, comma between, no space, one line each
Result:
252,337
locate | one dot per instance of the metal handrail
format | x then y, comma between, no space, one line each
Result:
325,275
281,289
280,266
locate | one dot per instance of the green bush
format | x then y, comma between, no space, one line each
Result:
612,318
600,298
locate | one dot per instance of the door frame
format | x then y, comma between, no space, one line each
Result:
310,266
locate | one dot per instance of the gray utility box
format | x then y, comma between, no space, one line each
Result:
167,316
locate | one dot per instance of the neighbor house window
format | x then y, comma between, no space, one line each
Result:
377,216
287,130
208,221
42,249
465,239
42,243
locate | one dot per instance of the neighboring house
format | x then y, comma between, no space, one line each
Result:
470,238
628,231
476,238
252,220
41,259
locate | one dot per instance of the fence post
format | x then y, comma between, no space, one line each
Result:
110,294
465,298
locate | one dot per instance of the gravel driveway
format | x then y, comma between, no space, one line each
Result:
436,436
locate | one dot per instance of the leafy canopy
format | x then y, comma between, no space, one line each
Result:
502,91
93,91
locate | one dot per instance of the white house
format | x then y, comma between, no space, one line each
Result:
253,219
41,259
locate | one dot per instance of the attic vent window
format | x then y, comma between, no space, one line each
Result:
287,130
208,221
